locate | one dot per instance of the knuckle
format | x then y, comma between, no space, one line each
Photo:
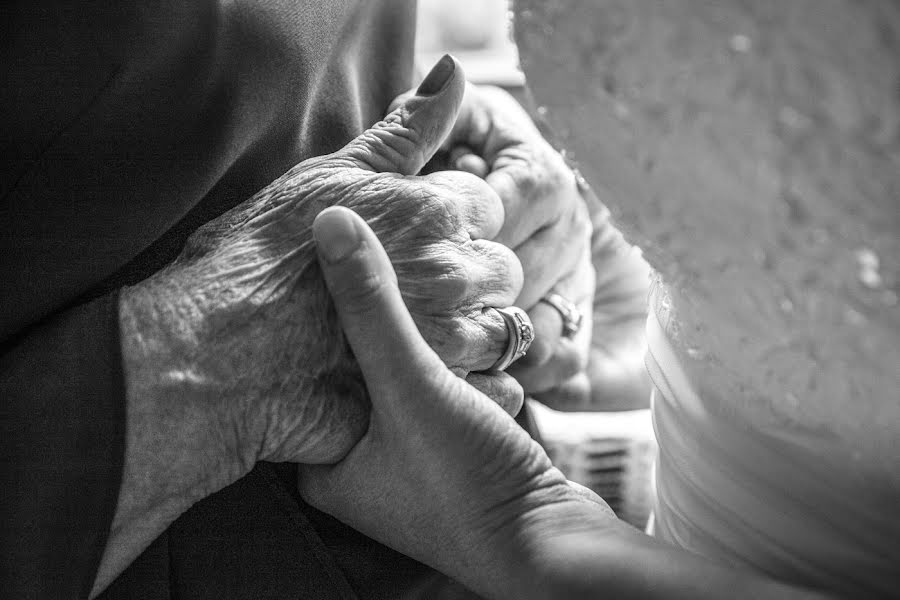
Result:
454,281
559,174
458,280
493,326
434,275
555,183
473,203
408,217
500,275
485,212
528,183
472,342
512,268
452,341
388,143
429,211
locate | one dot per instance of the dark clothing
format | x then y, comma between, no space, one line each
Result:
126,125
257,539
62,435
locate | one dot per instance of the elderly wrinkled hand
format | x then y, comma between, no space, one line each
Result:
571,255
547,225
233,354
249,308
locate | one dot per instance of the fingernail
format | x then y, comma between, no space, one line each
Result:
438,77
336,234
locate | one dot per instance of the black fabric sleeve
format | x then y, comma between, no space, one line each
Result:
62,442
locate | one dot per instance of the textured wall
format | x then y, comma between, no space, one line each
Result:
753,149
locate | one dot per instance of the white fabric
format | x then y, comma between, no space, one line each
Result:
783,504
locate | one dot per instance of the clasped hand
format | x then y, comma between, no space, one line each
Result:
242,317
442,474
233,353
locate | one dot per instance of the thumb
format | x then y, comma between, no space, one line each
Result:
410,134
387,344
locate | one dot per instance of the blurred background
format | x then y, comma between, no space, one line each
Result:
477,32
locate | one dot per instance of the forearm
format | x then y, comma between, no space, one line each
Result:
655,570
588,557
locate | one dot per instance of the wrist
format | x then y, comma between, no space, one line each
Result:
588,555
533,554
176,416
572,549
175,452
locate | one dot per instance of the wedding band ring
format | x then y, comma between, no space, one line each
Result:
571,316
521,334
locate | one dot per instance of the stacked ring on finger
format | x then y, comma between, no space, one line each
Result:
521,334
571,316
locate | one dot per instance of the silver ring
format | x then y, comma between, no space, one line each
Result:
571,316
521,334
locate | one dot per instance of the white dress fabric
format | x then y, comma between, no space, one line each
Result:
777,500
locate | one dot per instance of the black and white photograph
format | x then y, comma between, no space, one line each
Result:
450,299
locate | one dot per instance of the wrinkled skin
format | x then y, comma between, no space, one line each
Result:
259,320
442,474
233,353
562,235
547,224
433,228
495,515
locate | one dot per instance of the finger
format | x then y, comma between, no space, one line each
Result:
570,356
495,274
501,388
474,342
552,253
536,187
548,330
527,214
491,121
463,158
466,343
476,339
548,321
567,360
477,202
574,394
452,279
388,347
409,135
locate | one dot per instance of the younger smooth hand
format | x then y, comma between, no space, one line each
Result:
443,474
